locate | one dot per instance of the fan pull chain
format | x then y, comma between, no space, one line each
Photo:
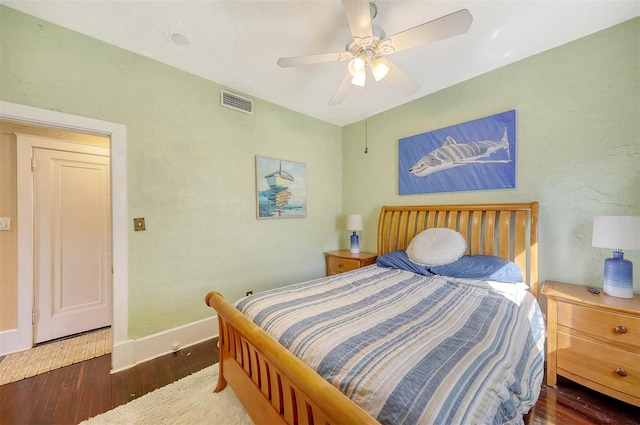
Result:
366,136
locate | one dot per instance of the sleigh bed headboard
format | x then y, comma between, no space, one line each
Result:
509,231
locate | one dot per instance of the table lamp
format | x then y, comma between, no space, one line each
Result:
354,223
617,233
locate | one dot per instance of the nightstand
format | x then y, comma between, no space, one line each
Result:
594,340
343,261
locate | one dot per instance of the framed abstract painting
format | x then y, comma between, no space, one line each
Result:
281,188
475,155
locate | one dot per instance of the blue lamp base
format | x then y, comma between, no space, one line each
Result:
618,276
355,244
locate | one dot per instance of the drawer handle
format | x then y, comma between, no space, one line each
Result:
621,329
340,265
620,371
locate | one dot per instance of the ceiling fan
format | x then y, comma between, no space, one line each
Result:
370,46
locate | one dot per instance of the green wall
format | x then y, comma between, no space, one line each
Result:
190,170
578,146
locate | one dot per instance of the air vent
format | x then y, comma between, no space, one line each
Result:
234,101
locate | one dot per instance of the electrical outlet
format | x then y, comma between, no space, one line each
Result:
5,223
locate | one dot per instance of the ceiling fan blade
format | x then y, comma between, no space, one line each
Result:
359,17
312,59
341,91
401,81
447,26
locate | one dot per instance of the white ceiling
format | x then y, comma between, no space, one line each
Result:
236,43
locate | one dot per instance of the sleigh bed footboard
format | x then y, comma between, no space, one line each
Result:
273,385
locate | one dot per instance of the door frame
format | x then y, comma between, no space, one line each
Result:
22,337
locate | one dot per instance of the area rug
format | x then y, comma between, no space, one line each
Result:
54,355
188,401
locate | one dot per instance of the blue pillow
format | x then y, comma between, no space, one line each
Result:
399,260
485,267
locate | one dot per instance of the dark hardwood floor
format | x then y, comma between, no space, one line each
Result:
77,392
74,393
571,403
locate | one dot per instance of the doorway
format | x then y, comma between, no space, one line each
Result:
70,208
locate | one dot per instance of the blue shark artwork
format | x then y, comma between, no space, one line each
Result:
453,154
476,155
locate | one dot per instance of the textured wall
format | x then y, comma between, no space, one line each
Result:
190,170
578,146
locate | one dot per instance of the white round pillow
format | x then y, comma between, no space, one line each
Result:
436,247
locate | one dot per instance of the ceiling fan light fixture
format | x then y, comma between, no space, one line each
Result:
358,70
357,64
359,78
379,68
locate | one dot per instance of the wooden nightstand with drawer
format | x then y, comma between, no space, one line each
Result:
594,340
343,261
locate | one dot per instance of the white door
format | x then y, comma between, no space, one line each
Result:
71,242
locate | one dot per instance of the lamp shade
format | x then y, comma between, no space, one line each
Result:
379,68
358,70
616,232
354,222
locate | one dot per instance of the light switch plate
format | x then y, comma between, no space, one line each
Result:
5,223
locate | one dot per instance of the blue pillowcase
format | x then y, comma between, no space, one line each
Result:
485,267
399,260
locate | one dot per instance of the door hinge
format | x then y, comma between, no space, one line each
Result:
33,317
33,164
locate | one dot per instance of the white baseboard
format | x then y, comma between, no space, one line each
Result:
129,353
11,341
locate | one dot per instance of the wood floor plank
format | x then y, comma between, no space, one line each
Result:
123,387
96,391
18,401
44,389
66,395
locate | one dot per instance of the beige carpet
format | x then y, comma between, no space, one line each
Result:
54,355
189,401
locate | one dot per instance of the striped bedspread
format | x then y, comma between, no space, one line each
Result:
411,349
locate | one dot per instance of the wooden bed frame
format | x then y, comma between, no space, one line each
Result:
275,387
